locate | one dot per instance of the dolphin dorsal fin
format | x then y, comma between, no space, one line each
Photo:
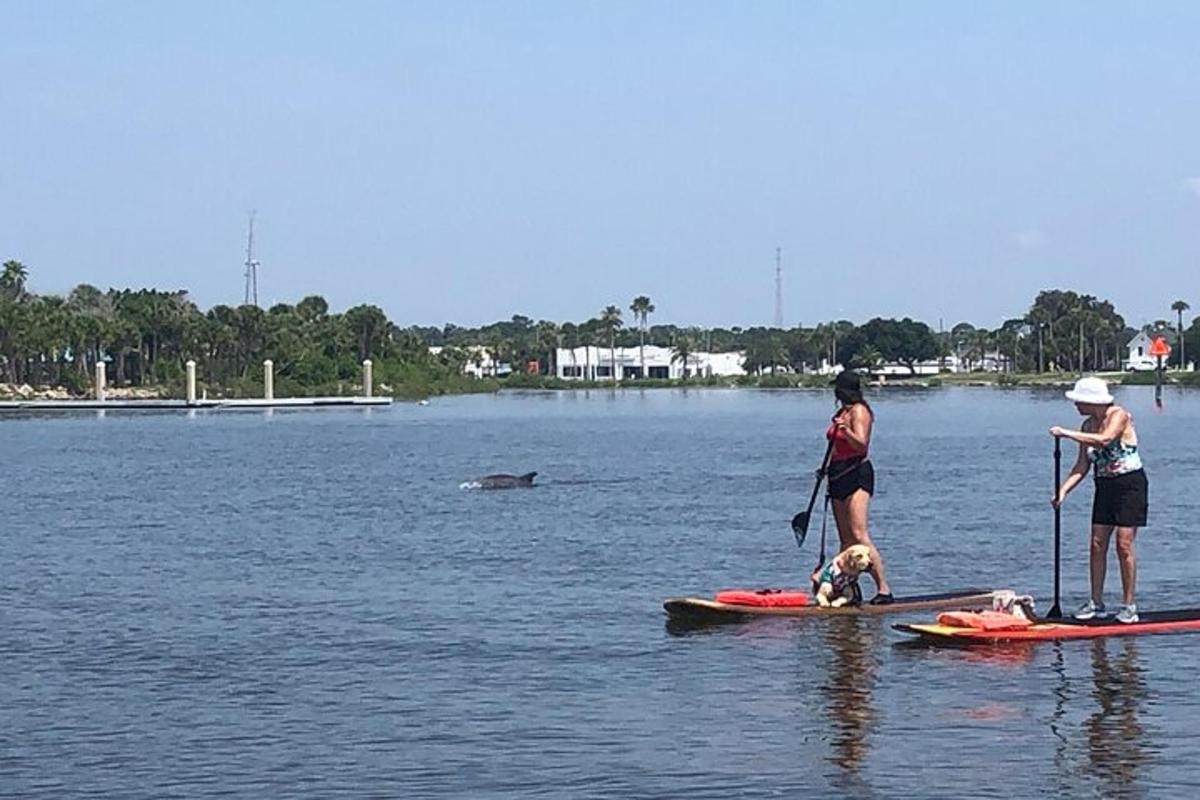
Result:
527,477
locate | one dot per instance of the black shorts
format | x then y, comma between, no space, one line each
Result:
847,477
1121,501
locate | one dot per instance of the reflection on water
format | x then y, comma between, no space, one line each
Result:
1114,740
851,645
1117,743
1060,689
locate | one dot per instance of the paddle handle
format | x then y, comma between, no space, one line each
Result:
1056,609
812,501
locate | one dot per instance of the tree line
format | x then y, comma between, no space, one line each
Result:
1061,331
146,336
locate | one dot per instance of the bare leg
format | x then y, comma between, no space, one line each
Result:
841,516
1127,558
857,506
1098,563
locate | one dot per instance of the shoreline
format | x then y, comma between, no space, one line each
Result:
25,392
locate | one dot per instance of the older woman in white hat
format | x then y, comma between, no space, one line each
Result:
1108,444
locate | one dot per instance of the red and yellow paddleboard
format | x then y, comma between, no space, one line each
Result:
1178,621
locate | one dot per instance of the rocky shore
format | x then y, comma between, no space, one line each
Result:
23,391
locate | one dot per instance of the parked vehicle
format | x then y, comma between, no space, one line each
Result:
1140,364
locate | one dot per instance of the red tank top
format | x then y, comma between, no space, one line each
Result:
843,448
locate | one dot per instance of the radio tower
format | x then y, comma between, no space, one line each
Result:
778,289
251,267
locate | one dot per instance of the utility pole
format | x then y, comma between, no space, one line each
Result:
778,288
251,267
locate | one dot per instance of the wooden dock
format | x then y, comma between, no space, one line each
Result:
183,405
193,403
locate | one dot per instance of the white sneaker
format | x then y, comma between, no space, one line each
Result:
1091,610
1128,614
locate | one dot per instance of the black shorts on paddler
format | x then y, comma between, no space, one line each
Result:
1121,501
847,477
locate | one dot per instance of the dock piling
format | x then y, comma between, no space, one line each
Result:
191,382
100,390
368,389
269,379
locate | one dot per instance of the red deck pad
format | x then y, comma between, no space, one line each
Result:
764,598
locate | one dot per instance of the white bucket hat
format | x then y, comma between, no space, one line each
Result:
1090,390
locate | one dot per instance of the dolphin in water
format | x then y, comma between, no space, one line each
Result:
502,481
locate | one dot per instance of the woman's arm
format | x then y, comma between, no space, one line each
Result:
857,427
1078,473
1114,425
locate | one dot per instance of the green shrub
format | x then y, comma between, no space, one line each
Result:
1140,379
75,382
1187,378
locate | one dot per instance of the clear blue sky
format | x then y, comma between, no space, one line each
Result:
465,161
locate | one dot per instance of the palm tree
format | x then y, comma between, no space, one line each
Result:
570,341
50,338
610,321
827,334
369,328
94,312
1039,319
978,341
963,337
1179,307
685,345
549,336
642,308
12,280
868,357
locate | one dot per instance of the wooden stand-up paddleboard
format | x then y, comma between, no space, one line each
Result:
1152,622
699,611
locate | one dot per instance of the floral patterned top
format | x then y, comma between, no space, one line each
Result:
1115,459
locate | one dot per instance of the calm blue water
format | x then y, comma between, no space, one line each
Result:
306,604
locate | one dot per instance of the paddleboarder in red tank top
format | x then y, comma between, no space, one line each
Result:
851,476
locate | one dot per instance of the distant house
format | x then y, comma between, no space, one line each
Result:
1138,353
902,370
479,362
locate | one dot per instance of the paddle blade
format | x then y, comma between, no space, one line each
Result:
800,526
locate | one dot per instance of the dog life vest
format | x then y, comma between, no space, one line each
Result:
833,574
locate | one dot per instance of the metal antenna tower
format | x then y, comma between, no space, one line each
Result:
778,289
251,267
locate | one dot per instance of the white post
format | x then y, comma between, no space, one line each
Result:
368,389
269,379
100,393
191,383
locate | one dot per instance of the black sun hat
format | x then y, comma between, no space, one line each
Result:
848,380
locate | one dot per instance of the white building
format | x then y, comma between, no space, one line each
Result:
1138,353
599,363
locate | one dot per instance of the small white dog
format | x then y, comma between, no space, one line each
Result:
837,581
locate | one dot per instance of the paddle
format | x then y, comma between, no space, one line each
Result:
1056,609
816,586
800,521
